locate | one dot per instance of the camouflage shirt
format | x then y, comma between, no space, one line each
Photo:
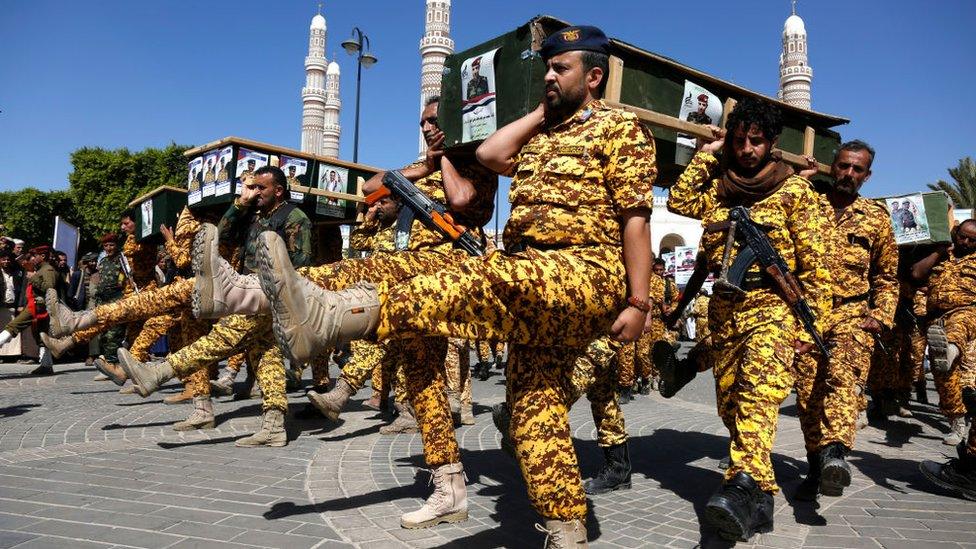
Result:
241,226
572,182
864,262
799,231
372,237
953,284
476,214
142,262
110,280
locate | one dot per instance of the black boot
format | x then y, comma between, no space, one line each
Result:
969,401
644,386
957,475
624,395
615,474
763,522
482,370
921,392
733,509
810,487
674,373
835,472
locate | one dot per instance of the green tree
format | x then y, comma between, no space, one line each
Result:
962,189
105,181
29,214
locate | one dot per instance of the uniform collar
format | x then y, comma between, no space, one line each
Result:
582,114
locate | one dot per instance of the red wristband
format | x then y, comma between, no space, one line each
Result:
639,304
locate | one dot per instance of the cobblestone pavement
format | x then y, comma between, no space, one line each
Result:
82,466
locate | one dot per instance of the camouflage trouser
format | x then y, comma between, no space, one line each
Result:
110,342
891,363
753,375
190,330
488,350
549,305
949,387
422,358
594,375
967,366
235,362
320,369
960,326
457,368
918,353
387,376
169,299
235,334
365,356
152,329
634,360
829,392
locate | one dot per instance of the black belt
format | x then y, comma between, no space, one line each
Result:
756,281
522,246
838,301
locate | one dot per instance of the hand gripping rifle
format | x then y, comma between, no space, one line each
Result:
430,212
758,249
127,271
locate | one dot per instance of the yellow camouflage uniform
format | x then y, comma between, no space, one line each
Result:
422,358
249,334
952,301
457,369
559,284
864,264
700,313
142,262
753,336
892,367
634,359
593,375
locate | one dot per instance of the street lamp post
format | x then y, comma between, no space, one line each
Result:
359,46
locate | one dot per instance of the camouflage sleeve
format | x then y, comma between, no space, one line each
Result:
298,238
179,249
811,235
231,227
631,164
142,259
361,239
694,194
656,294
884,276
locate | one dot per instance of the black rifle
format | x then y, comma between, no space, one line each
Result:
430,212
773,265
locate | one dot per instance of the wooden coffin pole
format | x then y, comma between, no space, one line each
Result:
653,118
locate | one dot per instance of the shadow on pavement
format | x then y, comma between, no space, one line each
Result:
17,410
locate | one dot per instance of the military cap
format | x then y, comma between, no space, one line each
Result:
40,250
90,256
110,237
583,37
703,97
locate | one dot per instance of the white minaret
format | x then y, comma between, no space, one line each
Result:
795,73
313,94
435,46
330,135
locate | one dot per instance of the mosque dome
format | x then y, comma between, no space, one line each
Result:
794,25
333,69
318,22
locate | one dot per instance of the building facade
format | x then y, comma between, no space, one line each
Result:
435,46
795,74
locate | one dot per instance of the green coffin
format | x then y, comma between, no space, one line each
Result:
159,207
649,81
929,218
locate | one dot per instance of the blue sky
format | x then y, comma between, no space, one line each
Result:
139,73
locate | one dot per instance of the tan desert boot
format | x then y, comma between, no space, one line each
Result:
219,290
272,431
202,416
113,371
332,403
57,345
64,321
186,395
563,534
146,377
448,503
309,319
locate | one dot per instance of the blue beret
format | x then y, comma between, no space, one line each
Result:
583,37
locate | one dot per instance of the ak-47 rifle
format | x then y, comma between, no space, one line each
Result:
758,249
127,271
430,212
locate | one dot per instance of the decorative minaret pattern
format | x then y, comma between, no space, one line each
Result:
330,136
313,94
795,73
435,46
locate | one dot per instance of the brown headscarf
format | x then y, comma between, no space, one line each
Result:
749,190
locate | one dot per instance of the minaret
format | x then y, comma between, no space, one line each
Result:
795,73
435,46
313,94
330,135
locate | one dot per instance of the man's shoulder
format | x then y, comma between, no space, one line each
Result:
296,215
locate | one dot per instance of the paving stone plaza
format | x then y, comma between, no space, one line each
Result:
82,466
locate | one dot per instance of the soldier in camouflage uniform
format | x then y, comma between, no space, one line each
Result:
34,315
581,200
864,265
635,369
261,207
755,337
110,288
952,294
